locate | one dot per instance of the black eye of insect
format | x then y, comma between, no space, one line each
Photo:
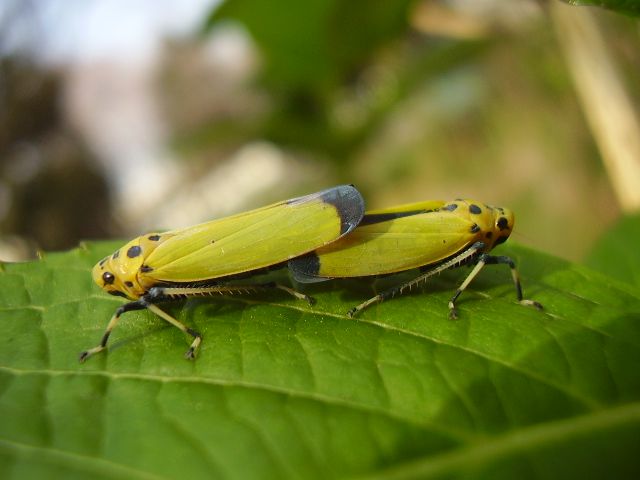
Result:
108,278
503,223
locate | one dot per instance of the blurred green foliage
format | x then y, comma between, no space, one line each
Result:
319,55
629,7
411,112
410,100
617,253
315,45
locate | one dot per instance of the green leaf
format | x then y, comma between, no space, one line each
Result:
284,390
315,43
617,253
628,7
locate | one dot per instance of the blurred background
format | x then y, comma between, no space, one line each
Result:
118,117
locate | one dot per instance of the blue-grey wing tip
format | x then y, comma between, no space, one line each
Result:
349,204
305,269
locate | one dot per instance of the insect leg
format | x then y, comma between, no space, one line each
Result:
453,311
398,290
501,259
171,293
290,291
127,307
197,338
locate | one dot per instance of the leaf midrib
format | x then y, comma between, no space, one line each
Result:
522,440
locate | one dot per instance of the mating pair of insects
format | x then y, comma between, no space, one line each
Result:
322,236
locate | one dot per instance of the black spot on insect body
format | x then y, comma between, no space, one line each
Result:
475,209
108,278
213,241
103,261
488,235
146,269
475,228
128,284
134,251
154,238
503,224
500,240
451,207
116,254
374,218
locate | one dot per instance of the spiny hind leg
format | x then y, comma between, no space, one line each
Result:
482,260
179,292
398,290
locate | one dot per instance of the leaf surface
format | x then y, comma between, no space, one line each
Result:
284,390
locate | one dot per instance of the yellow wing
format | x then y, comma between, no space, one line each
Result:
394,246
256,239
401,238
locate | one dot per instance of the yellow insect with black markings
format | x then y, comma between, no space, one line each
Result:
433,236
200,260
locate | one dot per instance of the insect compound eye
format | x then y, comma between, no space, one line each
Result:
503,223
108,278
